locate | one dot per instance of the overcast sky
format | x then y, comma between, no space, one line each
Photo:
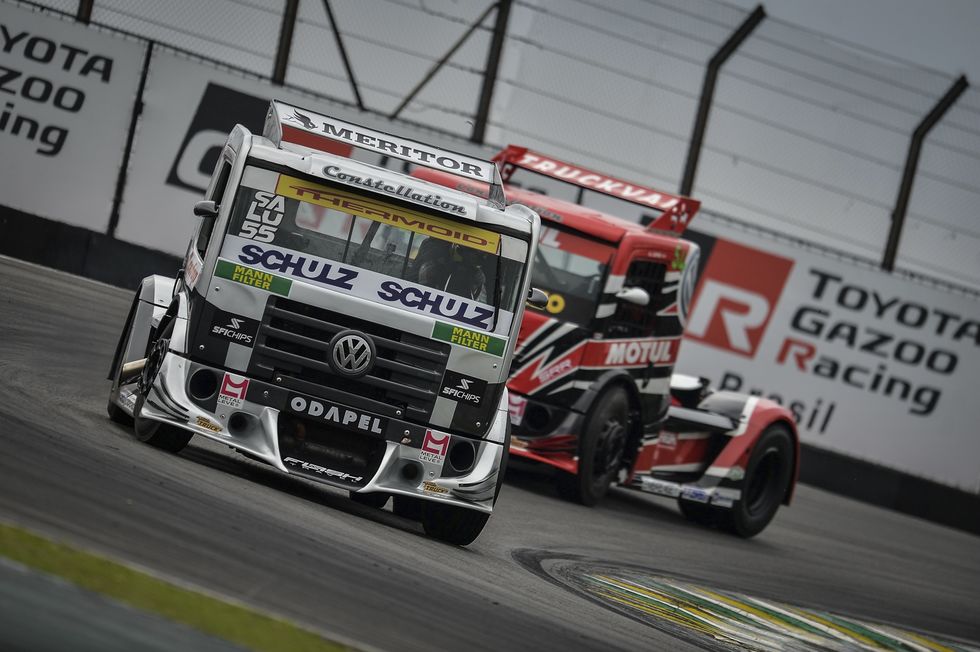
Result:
940,34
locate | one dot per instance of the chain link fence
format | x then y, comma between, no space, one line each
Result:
806,136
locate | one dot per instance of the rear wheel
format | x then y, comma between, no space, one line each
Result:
697,512
602,444
159,435
407,507
376,499
457,525
767,478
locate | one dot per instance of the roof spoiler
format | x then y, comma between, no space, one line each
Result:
291,127
676,211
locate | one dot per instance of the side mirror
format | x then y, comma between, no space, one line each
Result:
637,296
537,299
206,209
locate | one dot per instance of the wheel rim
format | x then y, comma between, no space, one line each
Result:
609,448
763,490
154,360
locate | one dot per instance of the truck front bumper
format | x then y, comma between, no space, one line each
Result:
322,440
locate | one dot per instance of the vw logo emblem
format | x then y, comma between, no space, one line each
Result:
351,354
689,279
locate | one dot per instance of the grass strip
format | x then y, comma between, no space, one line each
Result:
235,623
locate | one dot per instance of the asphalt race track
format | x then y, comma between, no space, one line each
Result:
213,519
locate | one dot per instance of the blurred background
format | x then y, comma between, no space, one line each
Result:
808,136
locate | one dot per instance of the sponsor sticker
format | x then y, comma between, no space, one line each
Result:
356,281
469,338
402,191
661,487
697,494
338,415
314,130
433,488
436,303
556,303
207,424
600,182
463,389
361,206
253,277
631,353
667,440
434,447
263,218
193,265
233,390
234,328
322,470
516,406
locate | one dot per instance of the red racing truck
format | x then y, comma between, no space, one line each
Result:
592,388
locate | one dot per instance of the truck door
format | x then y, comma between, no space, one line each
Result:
634,321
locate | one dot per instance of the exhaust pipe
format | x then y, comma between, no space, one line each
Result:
131,369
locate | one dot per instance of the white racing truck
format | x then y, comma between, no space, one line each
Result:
340,321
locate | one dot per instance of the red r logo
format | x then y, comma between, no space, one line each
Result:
738,293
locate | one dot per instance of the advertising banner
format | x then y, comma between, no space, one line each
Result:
68,95
871,365
189,108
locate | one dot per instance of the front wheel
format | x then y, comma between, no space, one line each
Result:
115,412
602,444
698,512
767,478
159,435
456,525
376,499
407,507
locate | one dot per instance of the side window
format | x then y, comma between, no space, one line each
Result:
631,320
215,192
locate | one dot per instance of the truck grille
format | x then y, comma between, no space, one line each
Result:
293,344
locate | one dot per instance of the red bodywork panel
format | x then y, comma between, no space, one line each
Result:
554,359
677,211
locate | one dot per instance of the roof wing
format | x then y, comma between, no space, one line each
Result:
676,211
287,125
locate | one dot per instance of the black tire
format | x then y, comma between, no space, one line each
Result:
456,525
376,499
602,444
502,471
767,478
407,507
115,412
159,435
698,512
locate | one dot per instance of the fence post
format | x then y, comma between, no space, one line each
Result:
708,91
128,151
343,55
285,42
441,62
912,164
84,13
490,72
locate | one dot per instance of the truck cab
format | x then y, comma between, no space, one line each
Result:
340,321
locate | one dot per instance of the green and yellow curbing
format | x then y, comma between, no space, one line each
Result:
735,621
235,623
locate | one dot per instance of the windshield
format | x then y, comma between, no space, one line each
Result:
572,270
380,251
